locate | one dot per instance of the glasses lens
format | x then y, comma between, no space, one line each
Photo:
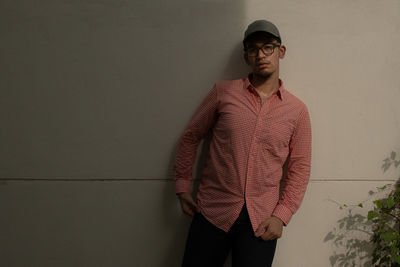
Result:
268,49
252,51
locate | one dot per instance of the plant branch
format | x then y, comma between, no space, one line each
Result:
394,216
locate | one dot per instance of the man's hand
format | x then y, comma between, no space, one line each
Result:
189,206
270,229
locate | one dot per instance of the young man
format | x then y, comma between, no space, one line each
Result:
256,124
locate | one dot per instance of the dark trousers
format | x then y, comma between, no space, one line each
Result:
209,246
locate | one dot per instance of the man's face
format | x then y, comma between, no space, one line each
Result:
263,64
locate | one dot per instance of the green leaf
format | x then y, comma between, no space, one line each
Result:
397,258
378,203
360,205
372,214
390,202
388,237
393,155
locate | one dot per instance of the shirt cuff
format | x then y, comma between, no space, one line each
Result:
283,213
182,186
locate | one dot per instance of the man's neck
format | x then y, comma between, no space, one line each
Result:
265,85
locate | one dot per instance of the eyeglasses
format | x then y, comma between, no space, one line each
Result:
267,49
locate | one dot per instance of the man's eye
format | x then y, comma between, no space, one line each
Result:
268,47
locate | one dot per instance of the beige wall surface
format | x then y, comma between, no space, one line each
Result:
94,95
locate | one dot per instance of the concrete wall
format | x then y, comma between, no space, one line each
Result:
95,94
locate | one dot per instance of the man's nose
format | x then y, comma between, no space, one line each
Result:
260,53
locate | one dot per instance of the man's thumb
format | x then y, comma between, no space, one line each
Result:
261,229
194,204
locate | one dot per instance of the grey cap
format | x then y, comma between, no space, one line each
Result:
261,26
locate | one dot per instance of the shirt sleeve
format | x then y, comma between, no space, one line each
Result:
298,173
200,123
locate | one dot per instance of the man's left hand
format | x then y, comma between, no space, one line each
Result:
270,229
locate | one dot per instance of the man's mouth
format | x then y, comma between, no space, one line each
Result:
262,65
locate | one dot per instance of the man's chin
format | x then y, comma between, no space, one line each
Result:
263,74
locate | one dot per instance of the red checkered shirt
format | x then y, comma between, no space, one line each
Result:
250,143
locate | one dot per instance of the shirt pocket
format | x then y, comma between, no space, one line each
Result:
275,138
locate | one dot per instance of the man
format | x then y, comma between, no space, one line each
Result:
255,124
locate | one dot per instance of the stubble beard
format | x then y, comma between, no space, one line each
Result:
263,74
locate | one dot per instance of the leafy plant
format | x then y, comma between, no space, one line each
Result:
385,218
372,240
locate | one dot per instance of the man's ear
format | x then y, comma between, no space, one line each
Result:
282,51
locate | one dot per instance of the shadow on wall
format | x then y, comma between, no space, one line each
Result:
102,80
350,240
106,87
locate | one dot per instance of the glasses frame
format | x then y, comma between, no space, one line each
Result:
257,49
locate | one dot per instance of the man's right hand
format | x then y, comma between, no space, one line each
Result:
189,206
